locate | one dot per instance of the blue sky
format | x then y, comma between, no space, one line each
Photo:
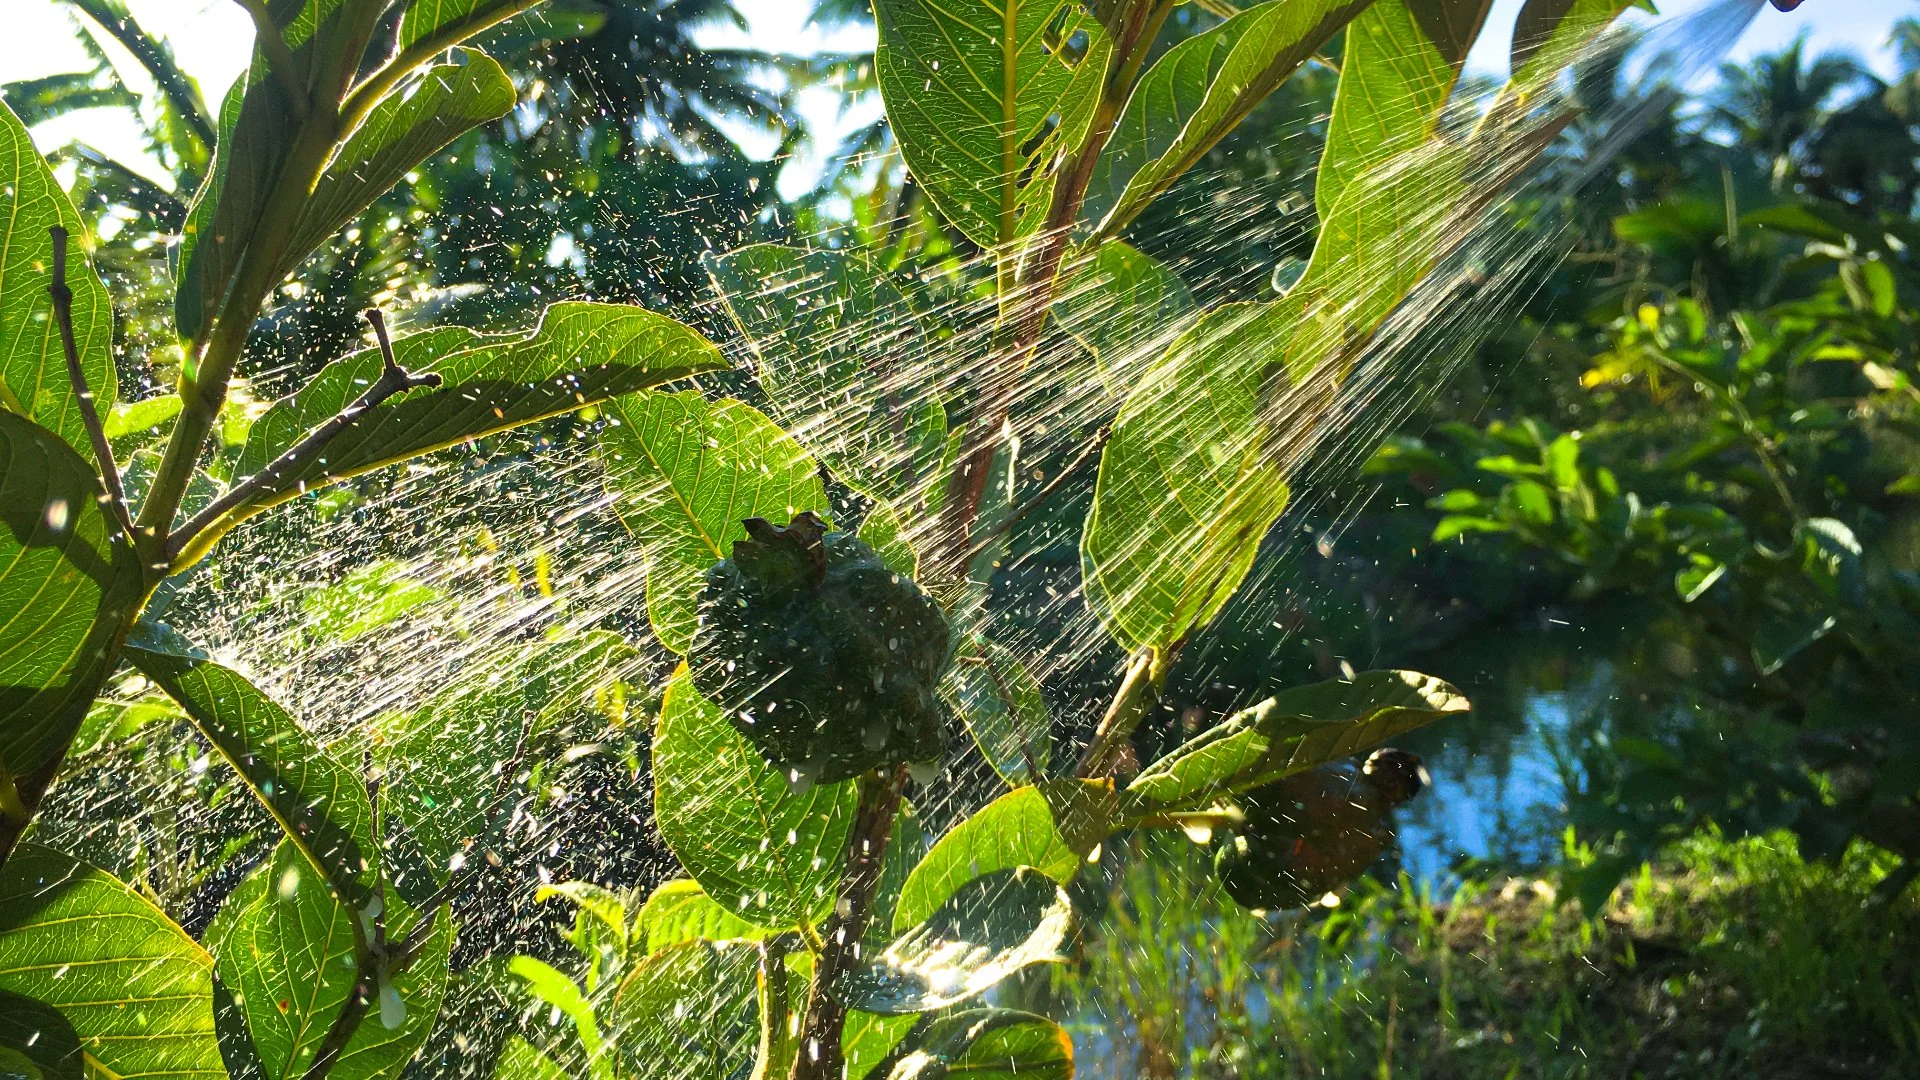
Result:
211,38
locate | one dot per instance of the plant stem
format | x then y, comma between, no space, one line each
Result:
102,450
199,534
1028,287
985,537
819,1056
1146,673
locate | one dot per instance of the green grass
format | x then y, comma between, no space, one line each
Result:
1726,959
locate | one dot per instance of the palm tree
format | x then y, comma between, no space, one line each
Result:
1774,104
642,81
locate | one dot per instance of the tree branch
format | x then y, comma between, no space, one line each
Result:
819,1055
985,538
199,534
102,450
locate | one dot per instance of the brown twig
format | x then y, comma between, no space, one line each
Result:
819,1056
102,450
393,380
986,537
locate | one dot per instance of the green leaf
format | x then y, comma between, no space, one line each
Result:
581,353
1293,731
985,100
520,1061
833,336
679,910
368,598
869,1038
36,1042
1189,482
689,1013
1124,308
1196,93
260,136
553,988
763,851
991,928
450,20
139,420
439,786
285,944
68,583
1053,827
33,363
1401,61
404,129
110,720
320,804
1003,708
1549,34
886,534
136,991
687,471
989,1044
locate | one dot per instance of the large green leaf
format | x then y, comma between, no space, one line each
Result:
1052,827
564,996
687,471
68,582
991,928
680,910
989,1044
1548,34
450,19
285,945
320,804
688,1013
1401,62
1196,93
833,336
404,129
1292,731
33,363
263,133
1125,308
439,786
765,852
580,354
985,99
1189,482
135,989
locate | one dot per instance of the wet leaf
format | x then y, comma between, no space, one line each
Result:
989,929
762,850
320,804
687,471
990,1044
679,911
33,363
520,1061
1125,308
136,991
581,353
285,945
404,129
68,583
985,102
1052,827
1197,92
1004,710
689,1013
1293,731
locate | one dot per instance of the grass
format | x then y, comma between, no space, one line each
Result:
1724,959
